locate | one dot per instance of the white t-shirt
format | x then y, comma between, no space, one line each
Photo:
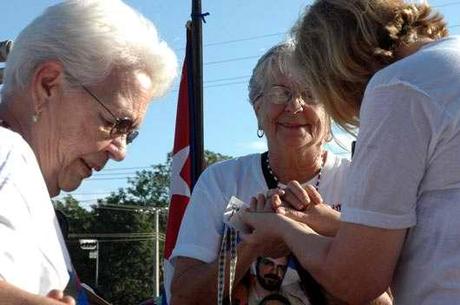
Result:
31,257
202,226
406,170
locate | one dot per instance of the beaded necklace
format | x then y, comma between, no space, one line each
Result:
275,178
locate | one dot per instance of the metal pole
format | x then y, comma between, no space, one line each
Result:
97,264
157,253
197,150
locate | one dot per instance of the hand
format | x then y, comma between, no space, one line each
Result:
266,238
314,212
58,295
261,203
299,198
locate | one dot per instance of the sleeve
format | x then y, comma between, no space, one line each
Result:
201,229
12,248
398,123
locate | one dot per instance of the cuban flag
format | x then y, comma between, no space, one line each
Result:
181,179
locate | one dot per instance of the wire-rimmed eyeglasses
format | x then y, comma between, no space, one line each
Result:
282,95
121,126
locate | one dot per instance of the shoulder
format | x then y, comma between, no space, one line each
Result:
421,70
13,148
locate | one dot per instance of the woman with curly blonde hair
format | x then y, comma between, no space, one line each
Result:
388,68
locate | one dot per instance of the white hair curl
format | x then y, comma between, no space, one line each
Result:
91,38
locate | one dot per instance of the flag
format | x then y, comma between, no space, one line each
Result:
181,179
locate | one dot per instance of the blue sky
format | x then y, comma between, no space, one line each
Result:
237,32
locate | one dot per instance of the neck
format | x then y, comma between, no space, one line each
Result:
260,291
301,165
18,118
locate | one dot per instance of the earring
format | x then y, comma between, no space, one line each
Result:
260,133
35,117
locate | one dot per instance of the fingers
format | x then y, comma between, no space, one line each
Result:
252,204
275,191
291,213
314,195
260,207
276,202
55,294
58,295
68,300
260,204
296,196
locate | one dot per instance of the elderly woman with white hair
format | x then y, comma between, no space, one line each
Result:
77,85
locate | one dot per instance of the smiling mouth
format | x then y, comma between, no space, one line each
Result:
294,126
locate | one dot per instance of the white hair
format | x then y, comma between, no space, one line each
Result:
91,38
279,60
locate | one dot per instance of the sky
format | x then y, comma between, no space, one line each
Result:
235,34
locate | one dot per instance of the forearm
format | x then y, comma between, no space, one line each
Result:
325,222
198,284
347,264
12,295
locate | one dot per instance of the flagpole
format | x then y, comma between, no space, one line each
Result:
196,149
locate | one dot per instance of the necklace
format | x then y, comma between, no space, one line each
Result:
273,176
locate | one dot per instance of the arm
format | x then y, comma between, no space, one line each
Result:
12,295
345,265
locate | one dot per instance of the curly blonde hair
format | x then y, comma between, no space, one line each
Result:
342,43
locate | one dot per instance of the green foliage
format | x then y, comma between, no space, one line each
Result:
126,259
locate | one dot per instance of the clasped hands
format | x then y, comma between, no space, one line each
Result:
270,215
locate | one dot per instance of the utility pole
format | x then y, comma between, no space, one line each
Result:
196,109
97,264
157,252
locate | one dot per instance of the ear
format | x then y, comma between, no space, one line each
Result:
46,83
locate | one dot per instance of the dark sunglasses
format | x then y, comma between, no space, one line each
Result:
122,126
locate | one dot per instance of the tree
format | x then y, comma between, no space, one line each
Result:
78,220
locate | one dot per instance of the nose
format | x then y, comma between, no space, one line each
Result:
279,271
117,148
296,104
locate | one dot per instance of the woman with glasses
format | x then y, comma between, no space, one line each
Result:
77,84
296,127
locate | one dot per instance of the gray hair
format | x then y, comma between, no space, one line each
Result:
90,38
278,60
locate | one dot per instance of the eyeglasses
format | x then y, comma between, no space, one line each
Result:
122,126
266,262
281,95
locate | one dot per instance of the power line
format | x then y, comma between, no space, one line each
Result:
227,84
240,40
228,78
230,60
